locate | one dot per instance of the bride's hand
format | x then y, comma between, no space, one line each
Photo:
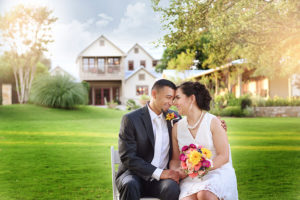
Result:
223,123
182,174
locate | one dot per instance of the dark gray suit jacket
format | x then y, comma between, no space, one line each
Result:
136,144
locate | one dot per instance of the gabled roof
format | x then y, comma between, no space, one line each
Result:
101,37
137,45
130,74
209,71
64,72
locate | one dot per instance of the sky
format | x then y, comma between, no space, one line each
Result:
80,22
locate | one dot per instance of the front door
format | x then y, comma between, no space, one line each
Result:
102,96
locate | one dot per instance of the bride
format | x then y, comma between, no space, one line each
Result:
202,128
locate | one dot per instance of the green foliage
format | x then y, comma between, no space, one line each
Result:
26,32
86,85
131,105
231,111
144,97
265,33
245,102
58,92
276,102
183,61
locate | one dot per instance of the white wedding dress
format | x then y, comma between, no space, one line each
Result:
221,181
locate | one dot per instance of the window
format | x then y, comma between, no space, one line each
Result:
140,90
130,65
101,65
141,77
154,63
85,64
113,61
101,42
91,63
143,63
88,64
136,50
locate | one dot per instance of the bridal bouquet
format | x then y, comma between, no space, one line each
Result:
195,160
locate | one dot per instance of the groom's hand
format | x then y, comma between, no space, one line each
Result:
223,123
170,174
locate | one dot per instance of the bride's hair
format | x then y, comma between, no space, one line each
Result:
202,95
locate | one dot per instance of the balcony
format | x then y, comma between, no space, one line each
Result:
100,69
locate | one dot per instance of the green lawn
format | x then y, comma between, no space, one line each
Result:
65,154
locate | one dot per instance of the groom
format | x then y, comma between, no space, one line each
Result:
145,149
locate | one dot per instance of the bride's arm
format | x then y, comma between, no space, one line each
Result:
175,162
221,143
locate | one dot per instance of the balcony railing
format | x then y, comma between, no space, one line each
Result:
108,69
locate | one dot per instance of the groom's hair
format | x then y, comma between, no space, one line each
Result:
162,83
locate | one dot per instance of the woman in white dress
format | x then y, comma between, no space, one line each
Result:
202,128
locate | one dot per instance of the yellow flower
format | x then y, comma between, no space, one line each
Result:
194,157
170,116
206,152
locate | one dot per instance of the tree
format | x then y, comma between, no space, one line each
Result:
266,33
26,33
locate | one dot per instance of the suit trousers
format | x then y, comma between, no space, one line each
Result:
132,187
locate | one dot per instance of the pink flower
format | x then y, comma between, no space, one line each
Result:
200,147
193,175
182,157
193,146
183,165
197,167
184,148
206,163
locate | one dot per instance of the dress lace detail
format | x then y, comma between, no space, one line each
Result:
221,181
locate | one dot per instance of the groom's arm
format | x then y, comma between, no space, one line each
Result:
128,151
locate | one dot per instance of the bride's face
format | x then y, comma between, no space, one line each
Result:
182,102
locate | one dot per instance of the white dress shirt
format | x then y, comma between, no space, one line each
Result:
162,143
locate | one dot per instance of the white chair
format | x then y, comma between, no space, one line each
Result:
115,160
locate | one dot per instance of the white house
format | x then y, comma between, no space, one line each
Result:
136,57
139,82
114,75
60,71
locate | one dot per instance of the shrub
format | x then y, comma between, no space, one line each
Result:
248,112
131,105
245,102
58,92
0,100
112,104
233,111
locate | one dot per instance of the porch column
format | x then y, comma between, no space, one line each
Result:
239,86
93,96
217,84
229,86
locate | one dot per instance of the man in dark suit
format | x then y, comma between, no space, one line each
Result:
145,148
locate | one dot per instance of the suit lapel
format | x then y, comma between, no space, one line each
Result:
148,124
170,134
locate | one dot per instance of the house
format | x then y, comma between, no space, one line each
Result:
233,78
60,71
139,82
114,75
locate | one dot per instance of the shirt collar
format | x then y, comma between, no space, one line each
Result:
153,115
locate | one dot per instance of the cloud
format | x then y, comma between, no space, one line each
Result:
69,40
104,20
140,24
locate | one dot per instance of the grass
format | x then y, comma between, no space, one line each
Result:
65,154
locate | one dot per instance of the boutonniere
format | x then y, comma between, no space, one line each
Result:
171,117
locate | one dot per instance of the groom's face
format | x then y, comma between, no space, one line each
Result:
163,98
